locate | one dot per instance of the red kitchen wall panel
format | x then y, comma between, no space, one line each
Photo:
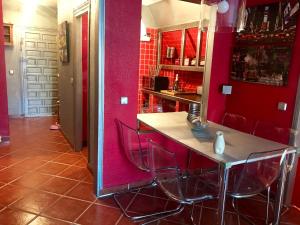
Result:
4,125
148,60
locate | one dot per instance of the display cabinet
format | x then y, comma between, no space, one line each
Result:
182,47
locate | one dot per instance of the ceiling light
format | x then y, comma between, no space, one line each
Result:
223,6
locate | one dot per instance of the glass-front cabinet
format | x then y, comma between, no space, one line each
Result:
182,47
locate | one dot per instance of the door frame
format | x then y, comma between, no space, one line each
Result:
77,14
96,106
294,141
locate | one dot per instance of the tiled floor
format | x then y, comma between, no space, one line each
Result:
42,182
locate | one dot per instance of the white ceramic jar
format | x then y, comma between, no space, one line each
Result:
219,143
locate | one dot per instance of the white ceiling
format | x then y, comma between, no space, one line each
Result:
47,3
150,2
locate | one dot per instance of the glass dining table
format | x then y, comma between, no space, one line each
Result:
238,146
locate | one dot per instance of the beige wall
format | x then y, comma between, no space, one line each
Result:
170,12
22,16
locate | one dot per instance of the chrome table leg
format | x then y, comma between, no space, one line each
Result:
224,175
280,192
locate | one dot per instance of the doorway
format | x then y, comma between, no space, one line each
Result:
81,78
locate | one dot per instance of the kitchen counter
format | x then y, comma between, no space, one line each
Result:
184,98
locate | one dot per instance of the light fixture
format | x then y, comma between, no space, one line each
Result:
223,6
222,15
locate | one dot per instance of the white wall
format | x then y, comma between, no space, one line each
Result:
22,15
170,12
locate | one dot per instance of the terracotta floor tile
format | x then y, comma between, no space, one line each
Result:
76,173
15,217
9,160
10,193
35,202
32,180
29,164
58,185
9,174
291,217
83,191
98,214
68,158
46,221
66,209
108,201
52,168
82,163
152,204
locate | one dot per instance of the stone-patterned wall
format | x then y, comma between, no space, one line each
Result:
41,89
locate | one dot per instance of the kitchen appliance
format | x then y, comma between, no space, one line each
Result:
171,52
156,83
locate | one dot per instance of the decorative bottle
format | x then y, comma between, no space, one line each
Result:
219,143
176,84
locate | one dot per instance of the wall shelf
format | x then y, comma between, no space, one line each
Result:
8,34
183,68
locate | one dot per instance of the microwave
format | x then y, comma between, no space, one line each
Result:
156,83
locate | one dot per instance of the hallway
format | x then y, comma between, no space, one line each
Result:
43,182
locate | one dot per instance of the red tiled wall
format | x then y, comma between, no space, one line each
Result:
148,58
170,39
4,127
188,81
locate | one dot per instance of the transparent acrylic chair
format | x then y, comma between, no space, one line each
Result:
254,177
135,146
186,190
236,122
272,132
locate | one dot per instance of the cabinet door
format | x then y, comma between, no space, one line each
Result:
171,47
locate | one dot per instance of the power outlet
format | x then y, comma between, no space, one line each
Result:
282,106
124,100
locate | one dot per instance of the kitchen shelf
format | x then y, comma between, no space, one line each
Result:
183,98
8,34
183,68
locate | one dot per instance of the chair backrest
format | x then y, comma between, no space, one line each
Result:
133,145
235,121
166,171
272,132
255,175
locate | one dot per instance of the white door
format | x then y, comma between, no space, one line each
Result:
40,68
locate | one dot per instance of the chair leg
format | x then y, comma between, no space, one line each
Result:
191,214
179,210
239,214
141,217
268,204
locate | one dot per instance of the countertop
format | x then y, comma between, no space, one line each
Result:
184,98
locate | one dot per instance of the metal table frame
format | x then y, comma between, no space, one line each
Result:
224,166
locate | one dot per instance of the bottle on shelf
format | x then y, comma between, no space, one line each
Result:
176,84
265,24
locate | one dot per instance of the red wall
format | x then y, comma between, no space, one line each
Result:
4,128
254,101
85,53
122,32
